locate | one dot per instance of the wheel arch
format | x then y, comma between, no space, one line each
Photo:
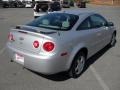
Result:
82,49
115,32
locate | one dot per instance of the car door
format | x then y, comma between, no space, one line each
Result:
88,36
101,32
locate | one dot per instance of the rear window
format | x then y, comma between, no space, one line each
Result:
55,21
65,2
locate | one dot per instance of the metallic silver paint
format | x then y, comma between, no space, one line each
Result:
68,41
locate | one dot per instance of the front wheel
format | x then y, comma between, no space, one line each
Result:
77,65
113,40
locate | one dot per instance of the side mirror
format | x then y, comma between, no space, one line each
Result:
109,24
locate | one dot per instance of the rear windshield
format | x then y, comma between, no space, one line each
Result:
65,2
55,21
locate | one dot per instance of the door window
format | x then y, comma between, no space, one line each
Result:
97,21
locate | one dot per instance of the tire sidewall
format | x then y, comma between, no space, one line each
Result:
111,41
72,72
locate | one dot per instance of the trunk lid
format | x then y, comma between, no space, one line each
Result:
24,38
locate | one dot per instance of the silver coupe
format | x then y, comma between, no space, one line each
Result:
60,41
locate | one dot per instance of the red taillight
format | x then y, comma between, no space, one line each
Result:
48,46
36,44
10,37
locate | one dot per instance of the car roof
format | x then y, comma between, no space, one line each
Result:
78,12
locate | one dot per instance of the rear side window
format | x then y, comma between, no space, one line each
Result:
97,21
84,25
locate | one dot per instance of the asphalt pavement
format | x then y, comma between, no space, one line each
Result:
102,70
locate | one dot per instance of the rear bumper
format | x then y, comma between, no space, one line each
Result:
38,14
43,64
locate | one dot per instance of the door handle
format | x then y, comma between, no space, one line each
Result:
106,28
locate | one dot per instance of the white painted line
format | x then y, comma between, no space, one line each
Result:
2,50
100,80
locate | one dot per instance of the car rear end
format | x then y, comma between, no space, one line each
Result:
41,8
66,4
28,5
38,14
35,51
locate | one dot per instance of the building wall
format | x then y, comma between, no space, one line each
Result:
107,2
117,2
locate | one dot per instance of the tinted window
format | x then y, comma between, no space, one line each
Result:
55,21
55,6
84,25
97,21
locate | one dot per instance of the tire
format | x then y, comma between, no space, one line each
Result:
113,40
78,65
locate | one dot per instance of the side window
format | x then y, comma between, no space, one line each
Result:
84,25
97,21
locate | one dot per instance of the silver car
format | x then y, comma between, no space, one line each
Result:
60,41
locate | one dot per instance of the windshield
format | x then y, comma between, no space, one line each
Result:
55,21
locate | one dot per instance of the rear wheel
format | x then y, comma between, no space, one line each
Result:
77,65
